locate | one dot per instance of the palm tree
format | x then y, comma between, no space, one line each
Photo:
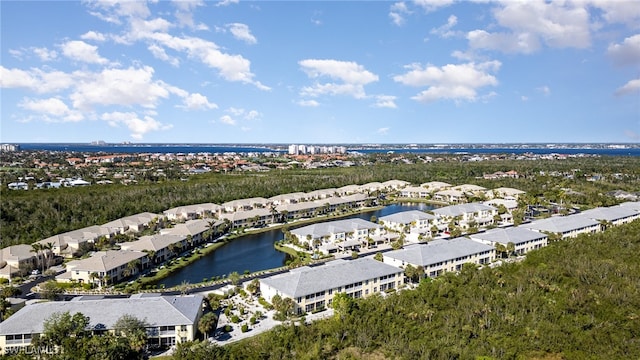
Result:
93,276
49,248
36,248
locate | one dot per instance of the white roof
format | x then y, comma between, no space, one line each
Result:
406,217
437,251
561,224
154,310
460,209
310,280
334,227
515,235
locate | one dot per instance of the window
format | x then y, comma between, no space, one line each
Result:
183,327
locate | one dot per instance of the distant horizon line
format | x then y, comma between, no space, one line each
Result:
317,143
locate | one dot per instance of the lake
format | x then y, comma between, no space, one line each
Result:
256,252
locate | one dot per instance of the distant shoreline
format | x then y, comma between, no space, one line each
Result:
604,149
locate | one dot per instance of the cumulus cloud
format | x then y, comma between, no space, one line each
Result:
529,24
227,2
198,102
351,76
626,53
93,36
138,126
81,51
308,103
160,54
45,54
397,12
433,5
53,109
624,12
385,101
124,87
184,13
35,80
631,87
453,82
445,31
242,32
226,119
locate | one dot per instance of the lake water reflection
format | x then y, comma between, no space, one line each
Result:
256,252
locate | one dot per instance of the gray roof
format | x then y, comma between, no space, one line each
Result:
105,260
406,217
154,242
156,311
310,280
515,235
612,213
334,227
635,205
560,224
455,210
438,250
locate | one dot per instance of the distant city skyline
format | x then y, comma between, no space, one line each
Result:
307,72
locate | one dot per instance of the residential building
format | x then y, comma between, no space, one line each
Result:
450,196
395,184
614,215
313,288
249,218
191,212
466,214
158,247
105,267
134,223
192,230
564,226
434,186
348,234
523,240
414,192
439,256
170,319
18,260
413,223
245,204
71,242
504,193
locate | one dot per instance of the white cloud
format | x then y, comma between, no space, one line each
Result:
445,31
385,101
35,80
625,12
138,126
631,87
432,5
112,10
184,13
352,75
525,43
529,23
45,54
52,107
308,103
227,2
159,53
242,32
94,36
397,12
81,51
124,87
626,53
198,102
453,82
383,131
544,90
524,98
226,119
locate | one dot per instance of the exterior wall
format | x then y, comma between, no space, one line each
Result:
323,299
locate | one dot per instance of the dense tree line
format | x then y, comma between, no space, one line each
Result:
576,299
28,216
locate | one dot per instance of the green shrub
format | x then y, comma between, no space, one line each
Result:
244,328
235,319
252,320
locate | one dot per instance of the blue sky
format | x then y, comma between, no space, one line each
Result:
423,71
